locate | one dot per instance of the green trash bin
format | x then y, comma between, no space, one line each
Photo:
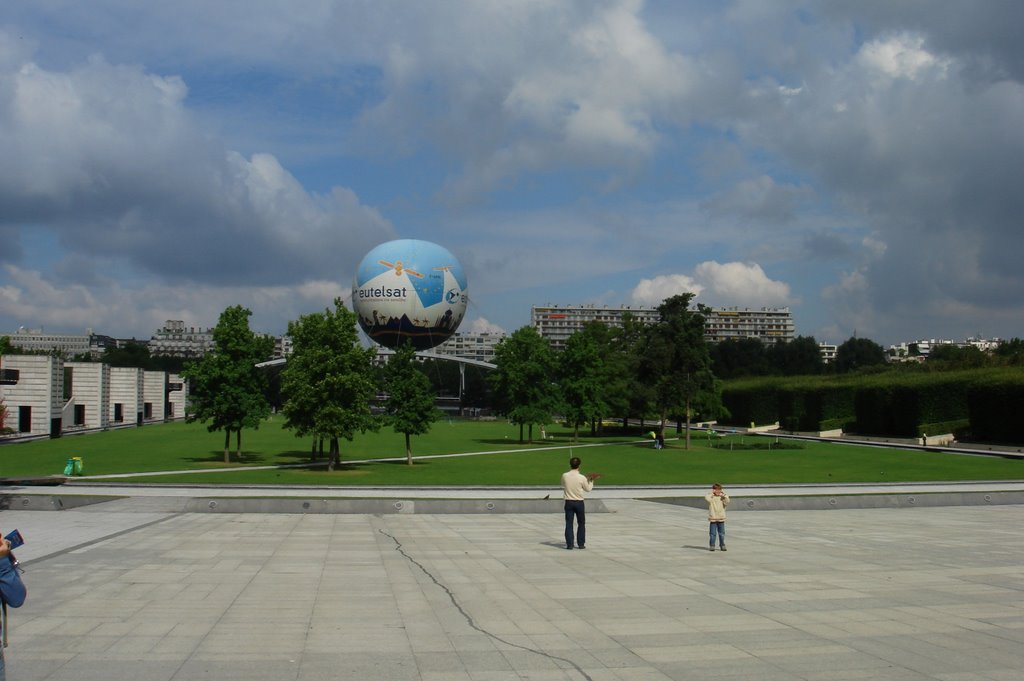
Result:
74,466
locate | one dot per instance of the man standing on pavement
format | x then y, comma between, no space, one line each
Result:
575,485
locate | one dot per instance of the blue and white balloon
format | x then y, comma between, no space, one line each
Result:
409,291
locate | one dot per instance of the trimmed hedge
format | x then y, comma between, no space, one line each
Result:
995,410
805,403
895,403
759,405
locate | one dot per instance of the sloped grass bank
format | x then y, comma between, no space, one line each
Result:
493,456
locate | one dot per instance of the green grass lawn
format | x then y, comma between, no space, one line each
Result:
623,460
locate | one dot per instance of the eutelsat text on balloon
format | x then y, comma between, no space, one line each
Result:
410,291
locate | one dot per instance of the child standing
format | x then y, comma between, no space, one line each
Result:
717,501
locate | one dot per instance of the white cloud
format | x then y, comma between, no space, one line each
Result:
738,283
900,56
481,325
580,88
109,158
719,285
111,307
652,292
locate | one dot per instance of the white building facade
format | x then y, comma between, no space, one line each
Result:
767,324
126,396
556,323
177,397
45,396
88,407
177,340
154,395
32,392
38,340
478,346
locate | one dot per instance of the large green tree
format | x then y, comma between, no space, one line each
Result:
329,382
135,354
524,380
799,357
226,390
676,363
858,353
632,390
580,378
410,397
615,370
736,357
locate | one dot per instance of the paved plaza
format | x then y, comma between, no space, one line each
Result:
135,593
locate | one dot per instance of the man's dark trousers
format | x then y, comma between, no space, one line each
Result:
575,509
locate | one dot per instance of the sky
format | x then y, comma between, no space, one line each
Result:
858,161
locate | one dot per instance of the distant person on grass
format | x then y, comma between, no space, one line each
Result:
717,501
575,485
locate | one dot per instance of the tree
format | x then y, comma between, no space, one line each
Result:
677,364
131,354
524,387
1010,352
136,354
410,406
225,387
329,381
580,374
858,353
799,357
5,345
615,370
956,357
736,357
632,391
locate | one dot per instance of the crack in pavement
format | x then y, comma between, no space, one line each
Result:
469,618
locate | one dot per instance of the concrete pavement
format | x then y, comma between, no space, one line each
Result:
125,590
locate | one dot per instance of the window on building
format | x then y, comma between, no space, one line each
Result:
79,414
147,410
118,413
24,419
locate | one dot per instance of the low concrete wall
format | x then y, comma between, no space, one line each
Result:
382,506
48,502
820,503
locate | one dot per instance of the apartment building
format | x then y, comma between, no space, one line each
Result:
556,323
477,346
38,340
175,339
767,324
